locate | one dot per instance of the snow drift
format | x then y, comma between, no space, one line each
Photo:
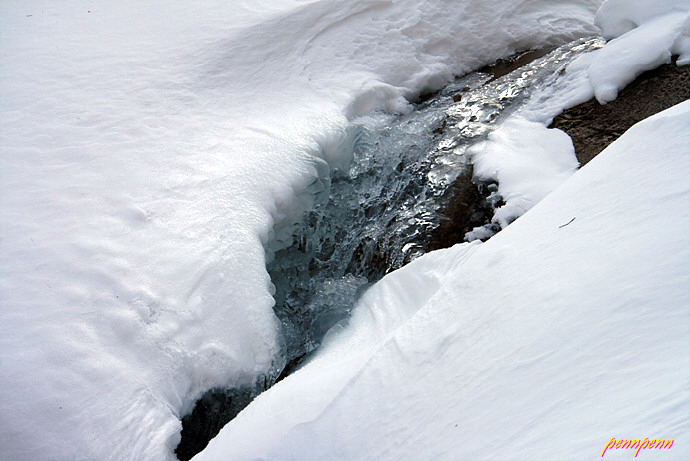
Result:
153,154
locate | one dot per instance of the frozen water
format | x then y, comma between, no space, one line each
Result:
536,344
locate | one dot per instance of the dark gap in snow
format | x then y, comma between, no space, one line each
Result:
410,189
212,411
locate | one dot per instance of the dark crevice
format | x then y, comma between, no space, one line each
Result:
212,411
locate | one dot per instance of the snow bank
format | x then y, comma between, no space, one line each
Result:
527,160
644,35
568,328
151,152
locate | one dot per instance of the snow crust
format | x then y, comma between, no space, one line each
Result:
154,155
567,328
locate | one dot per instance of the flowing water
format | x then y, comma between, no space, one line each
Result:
378,215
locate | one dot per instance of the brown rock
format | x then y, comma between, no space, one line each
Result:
593,126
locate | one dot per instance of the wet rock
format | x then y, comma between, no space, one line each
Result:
593,126
467,207
505,66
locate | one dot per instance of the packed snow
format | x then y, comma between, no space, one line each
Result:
645,35
155,155
527,160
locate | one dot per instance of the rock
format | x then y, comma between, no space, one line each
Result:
505,66
467,207
593,126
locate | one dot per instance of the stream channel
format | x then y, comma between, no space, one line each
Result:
398,200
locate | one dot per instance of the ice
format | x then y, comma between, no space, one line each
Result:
378,214
155,155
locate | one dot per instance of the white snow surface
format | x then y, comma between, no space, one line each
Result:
528,160
568,328
151,151
645,35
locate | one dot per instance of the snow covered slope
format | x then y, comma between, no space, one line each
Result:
568,328
150,152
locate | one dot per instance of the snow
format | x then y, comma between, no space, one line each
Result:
154,155
528,161
644,35
569,327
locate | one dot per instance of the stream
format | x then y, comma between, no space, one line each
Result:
390,207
